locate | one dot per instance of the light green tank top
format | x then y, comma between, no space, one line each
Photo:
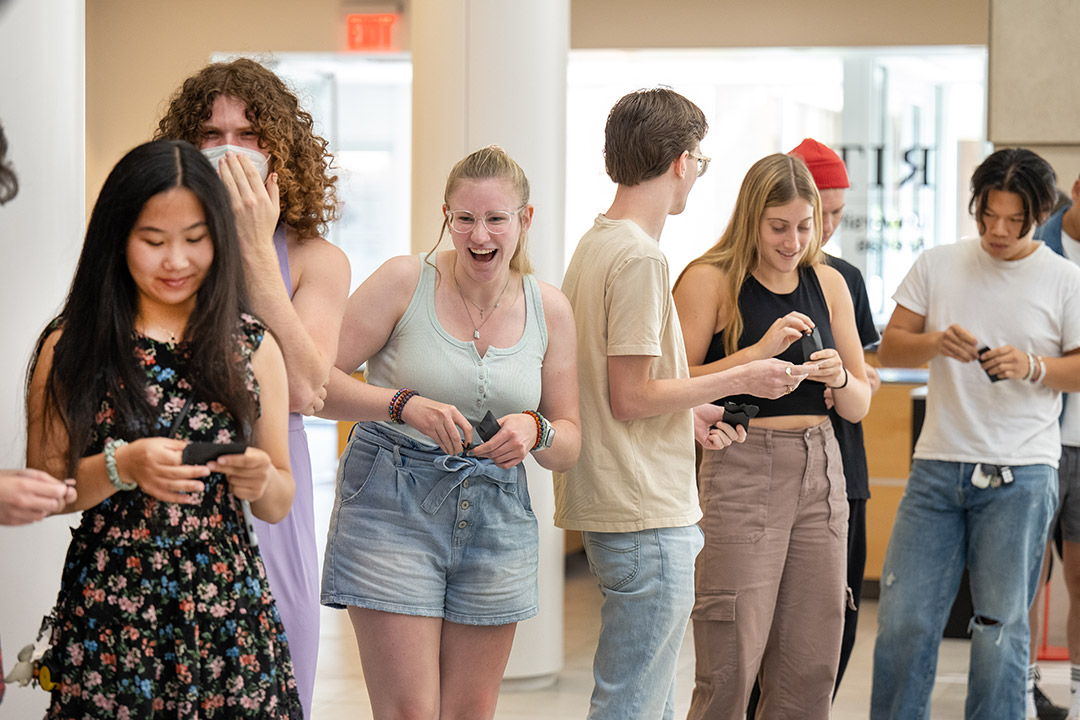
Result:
421,355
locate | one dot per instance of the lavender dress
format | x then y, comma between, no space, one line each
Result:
288,547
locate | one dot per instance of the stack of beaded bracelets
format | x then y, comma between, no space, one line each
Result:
110,465
401,397
543,428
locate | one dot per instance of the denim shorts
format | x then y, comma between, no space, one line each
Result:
417,532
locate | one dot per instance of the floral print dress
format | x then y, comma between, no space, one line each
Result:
164,609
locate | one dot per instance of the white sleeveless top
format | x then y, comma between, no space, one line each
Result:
420,354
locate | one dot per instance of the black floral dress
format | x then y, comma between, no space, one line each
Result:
164,609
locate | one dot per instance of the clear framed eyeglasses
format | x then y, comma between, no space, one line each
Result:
496,221
702,162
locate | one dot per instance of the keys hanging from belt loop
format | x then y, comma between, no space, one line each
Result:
1006,474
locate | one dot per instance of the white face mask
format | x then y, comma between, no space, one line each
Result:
261,162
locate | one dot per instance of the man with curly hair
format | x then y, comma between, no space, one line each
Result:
278,175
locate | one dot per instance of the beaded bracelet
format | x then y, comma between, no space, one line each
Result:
110,465
539,427
397,404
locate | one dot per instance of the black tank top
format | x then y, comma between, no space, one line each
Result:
760,308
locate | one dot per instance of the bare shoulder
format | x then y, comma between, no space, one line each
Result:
315,256
702,276
832,282
390,288
400,269
43,360
558,314
554,300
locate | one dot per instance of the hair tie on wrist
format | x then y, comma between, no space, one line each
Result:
844,385
110,465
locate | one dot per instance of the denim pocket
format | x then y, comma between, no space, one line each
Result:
363,461
838,502
614,558
735,495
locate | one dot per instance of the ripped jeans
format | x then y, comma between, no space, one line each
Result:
943,523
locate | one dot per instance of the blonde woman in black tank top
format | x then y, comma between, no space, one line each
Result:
770,583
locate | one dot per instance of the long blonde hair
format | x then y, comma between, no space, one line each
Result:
772,181
491,162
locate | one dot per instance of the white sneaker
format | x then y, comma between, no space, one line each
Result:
1074,708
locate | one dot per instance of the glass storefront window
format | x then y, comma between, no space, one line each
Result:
910,123
362,105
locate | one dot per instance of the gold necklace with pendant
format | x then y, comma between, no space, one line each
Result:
465,301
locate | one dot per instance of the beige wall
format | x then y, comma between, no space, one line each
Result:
1032,94
736,23
137,52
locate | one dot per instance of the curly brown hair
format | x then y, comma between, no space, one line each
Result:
298,156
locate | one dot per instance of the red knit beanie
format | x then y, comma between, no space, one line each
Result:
825,165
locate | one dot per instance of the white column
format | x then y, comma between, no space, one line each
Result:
41,109
494,71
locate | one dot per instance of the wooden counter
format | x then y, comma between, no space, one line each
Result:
887,433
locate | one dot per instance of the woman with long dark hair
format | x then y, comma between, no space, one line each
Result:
164,608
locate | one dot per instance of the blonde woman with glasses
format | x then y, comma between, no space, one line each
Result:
433,543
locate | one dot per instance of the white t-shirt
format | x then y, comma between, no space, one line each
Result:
1032,304
1070,419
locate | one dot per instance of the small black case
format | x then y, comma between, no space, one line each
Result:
488,427
739,414
993,377
810,344
200,453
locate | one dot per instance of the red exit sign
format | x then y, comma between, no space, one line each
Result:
370,31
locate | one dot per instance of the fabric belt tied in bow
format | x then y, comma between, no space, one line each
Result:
461,469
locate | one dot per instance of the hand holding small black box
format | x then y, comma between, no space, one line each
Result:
993,377
810,343
735,415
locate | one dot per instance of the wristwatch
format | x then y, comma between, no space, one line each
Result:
547,439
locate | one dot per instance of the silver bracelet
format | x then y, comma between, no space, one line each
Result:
1041,377
1031,367
110,465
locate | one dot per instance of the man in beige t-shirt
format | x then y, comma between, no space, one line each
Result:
632,493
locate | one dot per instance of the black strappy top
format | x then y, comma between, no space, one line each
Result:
760,308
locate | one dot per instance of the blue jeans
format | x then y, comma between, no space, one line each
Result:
647,580
943,524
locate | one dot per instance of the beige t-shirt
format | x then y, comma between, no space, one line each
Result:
637,474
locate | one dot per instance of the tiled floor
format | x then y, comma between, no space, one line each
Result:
340,693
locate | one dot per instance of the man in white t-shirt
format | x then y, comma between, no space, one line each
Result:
633,492
998,320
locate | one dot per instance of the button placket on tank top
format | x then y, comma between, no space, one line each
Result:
481,382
